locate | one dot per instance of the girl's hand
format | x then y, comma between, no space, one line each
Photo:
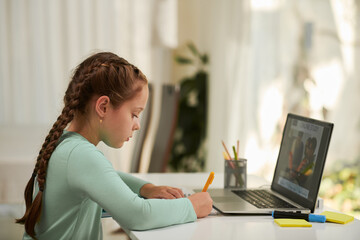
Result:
202,203
164,192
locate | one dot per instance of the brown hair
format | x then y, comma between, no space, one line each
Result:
101,74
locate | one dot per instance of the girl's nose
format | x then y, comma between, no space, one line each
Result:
137,124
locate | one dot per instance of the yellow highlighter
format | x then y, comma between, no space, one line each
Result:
209,181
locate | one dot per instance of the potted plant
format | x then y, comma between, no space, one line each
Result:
188,150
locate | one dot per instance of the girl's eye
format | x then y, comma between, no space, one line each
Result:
135,116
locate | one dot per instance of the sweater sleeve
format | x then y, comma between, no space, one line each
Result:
92,175
133,183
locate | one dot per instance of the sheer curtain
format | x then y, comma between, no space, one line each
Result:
41,42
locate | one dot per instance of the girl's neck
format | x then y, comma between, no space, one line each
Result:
85,128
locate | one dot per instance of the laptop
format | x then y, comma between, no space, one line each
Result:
297,175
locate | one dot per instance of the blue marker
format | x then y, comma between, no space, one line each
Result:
309,217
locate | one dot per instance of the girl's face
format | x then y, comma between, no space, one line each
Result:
121,122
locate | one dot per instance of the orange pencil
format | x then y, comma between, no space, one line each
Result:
209,181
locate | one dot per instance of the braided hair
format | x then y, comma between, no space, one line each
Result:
101,74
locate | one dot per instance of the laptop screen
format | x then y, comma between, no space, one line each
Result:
301,159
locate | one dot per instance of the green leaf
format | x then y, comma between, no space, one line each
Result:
193,49
345,174
183,60
204,58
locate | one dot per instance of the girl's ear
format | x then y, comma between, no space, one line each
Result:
102,105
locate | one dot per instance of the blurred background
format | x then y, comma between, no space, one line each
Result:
256,60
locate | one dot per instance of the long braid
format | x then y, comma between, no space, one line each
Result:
33,208
102,74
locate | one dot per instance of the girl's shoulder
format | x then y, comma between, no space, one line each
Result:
73,145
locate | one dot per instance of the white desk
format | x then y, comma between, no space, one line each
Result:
236,227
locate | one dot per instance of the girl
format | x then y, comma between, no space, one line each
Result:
74,180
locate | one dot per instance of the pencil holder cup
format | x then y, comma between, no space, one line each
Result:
235,174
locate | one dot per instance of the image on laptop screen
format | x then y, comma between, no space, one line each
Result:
302,157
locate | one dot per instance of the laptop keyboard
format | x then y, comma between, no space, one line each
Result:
262,199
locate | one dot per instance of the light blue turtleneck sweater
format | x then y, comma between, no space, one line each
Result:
80,182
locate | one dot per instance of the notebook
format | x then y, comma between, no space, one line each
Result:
297,175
